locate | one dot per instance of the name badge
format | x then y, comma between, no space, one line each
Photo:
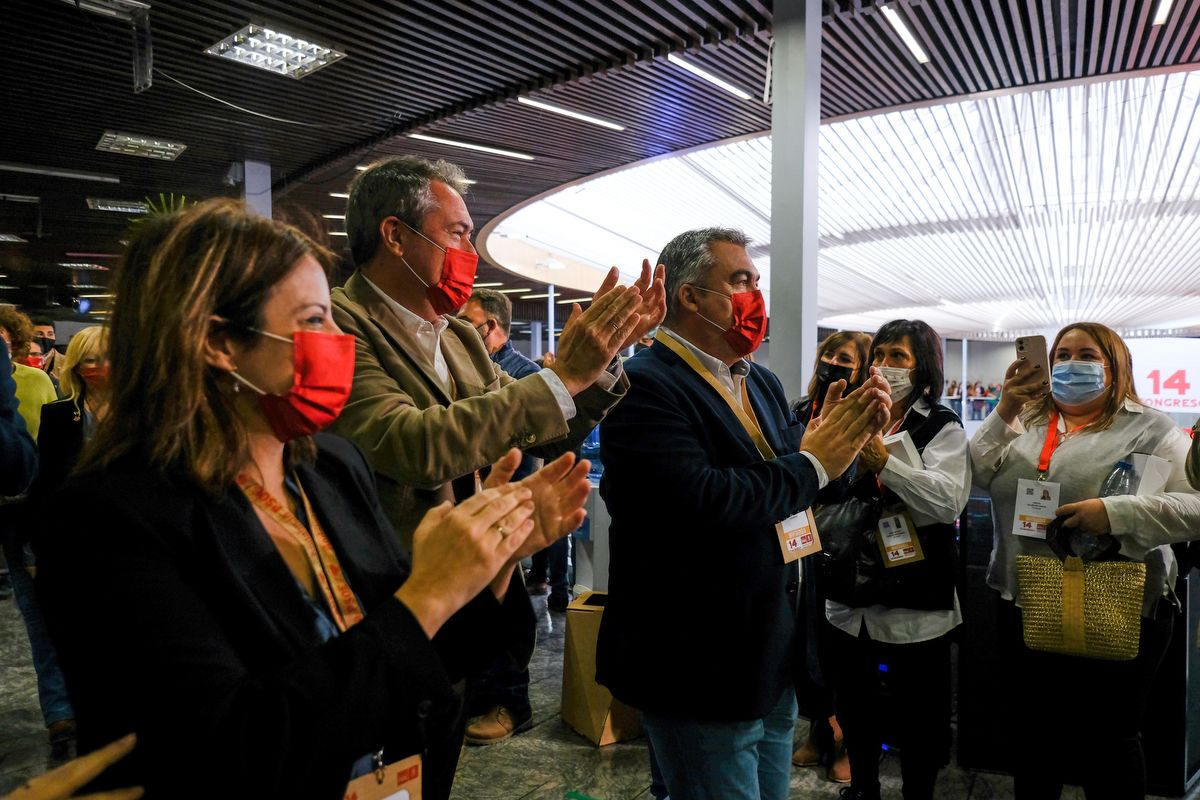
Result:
897,538
400,780
798,536
1036,501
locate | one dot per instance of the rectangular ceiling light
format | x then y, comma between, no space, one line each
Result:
340,195
54,172
274,51
80,265
334,216
20,198
133,144
11,237
496,151
1162,12
708,76
574,300
338,233
513,291
534,296
123,206
897,23
488,285
566,112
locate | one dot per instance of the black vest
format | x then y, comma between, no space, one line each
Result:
851,566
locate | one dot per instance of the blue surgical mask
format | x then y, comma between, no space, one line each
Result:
1077,382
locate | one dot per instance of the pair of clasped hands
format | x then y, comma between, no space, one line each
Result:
848,423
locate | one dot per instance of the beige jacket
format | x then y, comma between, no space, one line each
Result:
416,436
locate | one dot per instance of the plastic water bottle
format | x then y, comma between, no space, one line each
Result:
1120,481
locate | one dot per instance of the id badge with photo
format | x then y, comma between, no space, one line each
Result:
1036,501
798,536
897,537
400,780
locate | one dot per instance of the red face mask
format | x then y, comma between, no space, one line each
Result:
749,320
458,277
37,362
323,366
95,376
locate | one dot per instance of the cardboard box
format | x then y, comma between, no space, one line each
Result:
587,706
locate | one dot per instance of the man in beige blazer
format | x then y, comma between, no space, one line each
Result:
428,405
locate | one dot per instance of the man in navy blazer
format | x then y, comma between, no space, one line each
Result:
697,631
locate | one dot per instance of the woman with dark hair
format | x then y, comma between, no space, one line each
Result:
219,578
891,587
1064,433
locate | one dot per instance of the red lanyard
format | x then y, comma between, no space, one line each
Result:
343,605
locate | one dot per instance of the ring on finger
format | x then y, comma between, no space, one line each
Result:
500,530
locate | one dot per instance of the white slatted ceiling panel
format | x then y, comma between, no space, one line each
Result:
993,216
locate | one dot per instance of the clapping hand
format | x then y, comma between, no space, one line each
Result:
559,491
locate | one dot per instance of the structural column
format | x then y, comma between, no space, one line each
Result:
256,186
795,131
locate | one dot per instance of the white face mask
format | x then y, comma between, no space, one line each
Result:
900,381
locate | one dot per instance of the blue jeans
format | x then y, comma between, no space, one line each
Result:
52,690
726,760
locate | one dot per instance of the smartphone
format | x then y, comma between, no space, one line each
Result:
1032,349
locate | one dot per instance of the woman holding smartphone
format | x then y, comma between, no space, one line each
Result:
1061,434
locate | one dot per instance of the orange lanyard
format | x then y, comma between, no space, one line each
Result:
1052,442
343,605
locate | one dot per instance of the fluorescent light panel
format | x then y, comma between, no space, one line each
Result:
471,146
334,216
513,291
20,198
341,195
135,144
706,75
566,112
488,285
570,300
534,296
55,172
85,266
275,51
906,35
11,237
122,206
1162,12
338,233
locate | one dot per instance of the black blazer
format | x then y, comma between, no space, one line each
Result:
175,616
60,441
699,622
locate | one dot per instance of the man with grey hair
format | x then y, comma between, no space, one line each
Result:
732,474
428,406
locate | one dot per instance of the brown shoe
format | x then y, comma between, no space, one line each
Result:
496,726
807,755
839,770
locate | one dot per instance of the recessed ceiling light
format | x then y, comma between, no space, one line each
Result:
88,286
334,216
10,237
906,35
338,233
574,300
123,206
566,112
80,265
513,291
133,144
488,285
1162,12
97,296
275,51
471,146
534,296
342,195
706,75
20,198
54,172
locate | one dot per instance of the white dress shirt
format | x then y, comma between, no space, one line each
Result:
935,493
731,377
428,338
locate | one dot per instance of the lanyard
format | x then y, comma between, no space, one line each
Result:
343,605
743,411
1052,441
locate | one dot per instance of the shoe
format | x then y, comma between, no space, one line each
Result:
558,601
538,588
807,755
839,769
496,726
61,731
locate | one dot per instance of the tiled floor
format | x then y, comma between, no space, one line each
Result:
550,762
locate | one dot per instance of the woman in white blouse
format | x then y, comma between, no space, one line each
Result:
1080,718
901,614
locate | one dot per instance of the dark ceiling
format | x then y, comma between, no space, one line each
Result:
455,69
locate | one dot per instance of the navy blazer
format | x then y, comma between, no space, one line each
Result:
699,621
175,616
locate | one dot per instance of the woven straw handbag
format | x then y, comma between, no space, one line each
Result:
1091,609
